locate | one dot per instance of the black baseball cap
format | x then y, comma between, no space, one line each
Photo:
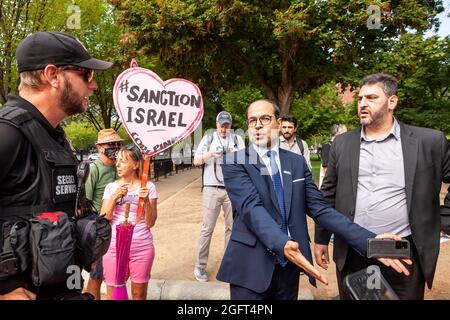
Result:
48,47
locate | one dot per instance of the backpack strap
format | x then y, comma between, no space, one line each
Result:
209,141
300,145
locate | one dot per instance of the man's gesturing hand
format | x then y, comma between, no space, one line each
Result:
292,252
321,255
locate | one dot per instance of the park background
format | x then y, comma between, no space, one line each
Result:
307,56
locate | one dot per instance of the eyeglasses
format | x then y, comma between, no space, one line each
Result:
88,74
264,120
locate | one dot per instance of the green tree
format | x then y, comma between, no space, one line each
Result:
91,21
423,68
283,48
318,110
102,41
19,18
81,134
236,102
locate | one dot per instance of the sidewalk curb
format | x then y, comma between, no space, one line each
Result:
160,289
195,290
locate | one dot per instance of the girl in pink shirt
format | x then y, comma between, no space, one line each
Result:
142,252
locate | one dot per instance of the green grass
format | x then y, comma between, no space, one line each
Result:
315,162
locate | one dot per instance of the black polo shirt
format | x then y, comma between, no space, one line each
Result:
18,161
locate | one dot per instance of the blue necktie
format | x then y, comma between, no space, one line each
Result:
278,186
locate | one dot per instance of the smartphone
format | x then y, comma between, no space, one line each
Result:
388,248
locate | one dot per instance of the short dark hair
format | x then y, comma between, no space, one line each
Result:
290,118
334,129
276,108
388,82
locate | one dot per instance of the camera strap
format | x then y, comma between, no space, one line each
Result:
215,160
209,142
224,151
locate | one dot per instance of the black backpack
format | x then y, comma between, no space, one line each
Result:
93,232
93,239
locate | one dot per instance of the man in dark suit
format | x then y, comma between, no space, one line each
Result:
387,178
270,190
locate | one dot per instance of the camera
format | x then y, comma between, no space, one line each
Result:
222,150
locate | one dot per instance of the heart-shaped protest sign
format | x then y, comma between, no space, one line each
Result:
156,113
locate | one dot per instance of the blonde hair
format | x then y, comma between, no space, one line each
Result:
31,80
131,155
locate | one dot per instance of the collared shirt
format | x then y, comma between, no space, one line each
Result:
291,147
381,197
262,152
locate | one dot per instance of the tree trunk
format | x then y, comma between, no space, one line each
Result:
285,97
286,89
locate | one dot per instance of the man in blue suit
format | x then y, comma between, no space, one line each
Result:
271,191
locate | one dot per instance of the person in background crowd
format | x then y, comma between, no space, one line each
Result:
101,172
210,149
336,129
290,141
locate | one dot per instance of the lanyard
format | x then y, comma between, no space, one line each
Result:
220,141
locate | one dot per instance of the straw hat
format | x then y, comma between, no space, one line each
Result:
108,136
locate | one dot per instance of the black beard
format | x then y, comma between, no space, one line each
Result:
287,136
376,118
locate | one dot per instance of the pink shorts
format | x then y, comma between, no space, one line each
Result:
139,265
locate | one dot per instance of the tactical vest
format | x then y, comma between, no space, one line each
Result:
34,247
56,180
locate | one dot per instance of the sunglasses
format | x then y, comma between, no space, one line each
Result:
111,152
88,74
135,150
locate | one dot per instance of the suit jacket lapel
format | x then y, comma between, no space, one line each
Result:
354,153
286,165
257,162
410,148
